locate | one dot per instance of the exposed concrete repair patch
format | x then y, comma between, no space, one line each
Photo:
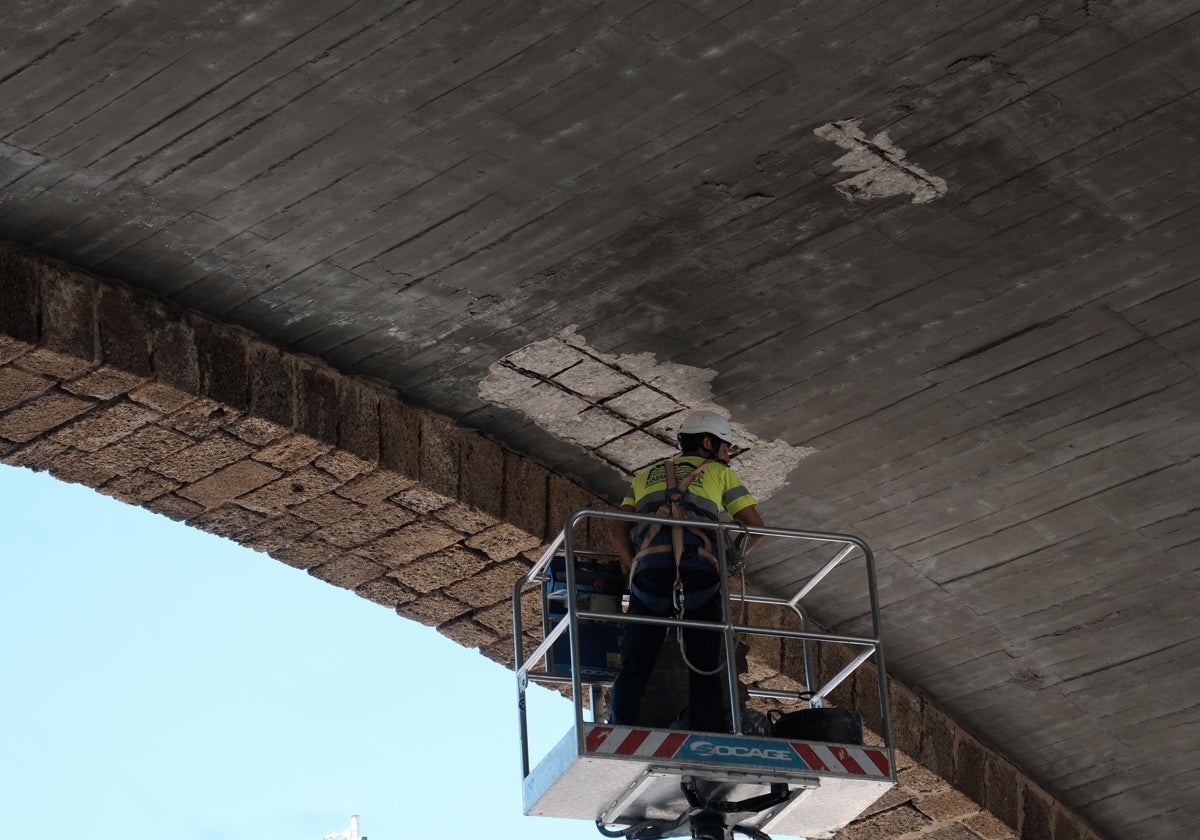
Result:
625,409
882,169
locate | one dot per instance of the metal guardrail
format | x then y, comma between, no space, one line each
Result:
564,543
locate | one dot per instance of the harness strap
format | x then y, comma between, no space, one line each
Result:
674,509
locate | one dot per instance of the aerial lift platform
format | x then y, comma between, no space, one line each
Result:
808,777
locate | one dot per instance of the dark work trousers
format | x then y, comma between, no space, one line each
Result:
639,651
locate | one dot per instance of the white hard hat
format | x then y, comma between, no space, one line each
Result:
706,423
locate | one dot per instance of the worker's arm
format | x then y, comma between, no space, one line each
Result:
750,516
620,534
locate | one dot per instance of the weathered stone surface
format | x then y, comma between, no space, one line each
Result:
503,541
103,383
19,305
124,331
18,386
385,592
272,380
68,323
525,485
988,827
367,525
433,609
173,355
1036,809
203,458
294,488
201,418
139,487
358,431
946,805
173,507
40,415
970,767
328,509
1003,794
439,570
292,452
343,465
229,483
465,519
229,520
410,542
482,475
440,452
399,438
11,349
138,450
888,824
348,571
104,426
221,361
316,402
489,586
375,486
163,398
257,431
420,499
280,532
468,633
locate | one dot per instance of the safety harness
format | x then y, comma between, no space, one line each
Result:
684,544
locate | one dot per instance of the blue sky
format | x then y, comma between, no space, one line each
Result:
160,682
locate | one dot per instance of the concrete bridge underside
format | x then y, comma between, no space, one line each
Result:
385,289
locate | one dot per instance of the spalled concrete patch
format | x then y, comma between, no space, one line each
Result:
882,169
626,409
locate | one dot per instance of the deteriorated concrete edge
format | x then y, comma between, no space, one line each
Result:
210,425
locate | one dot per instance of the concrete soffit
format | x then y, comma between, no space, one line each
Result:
209,425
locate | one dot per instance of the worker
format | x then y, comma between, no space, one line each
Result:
674,572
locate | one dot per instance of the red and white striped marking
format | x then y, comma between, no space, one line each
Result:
666,743
838,758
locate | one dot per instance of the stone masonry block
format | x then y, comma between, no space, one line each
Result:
19,273
229,521
316,402
385,592
124,331
68,316
38,455
482,475
202,458
365,526
165,399
272,384
499,617
138,450
919,779
432,610
201,417
41,415
489,586
139,487
439,570
899,821
907,720
1002,789
348,571
173,356
399,437
565,497
358,420
78,467
282,531
221,357
468,633
410,542
304,555
937,743
229,483
106,425
375,486
1066,826
103,383
257,431
292,452
11,349
440,452
525,486
945,805
1036,809
53,363
465,519
18,386
328,509
970,768
503,541
292,489
988,827
343,465
173,507
951,832
420,499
